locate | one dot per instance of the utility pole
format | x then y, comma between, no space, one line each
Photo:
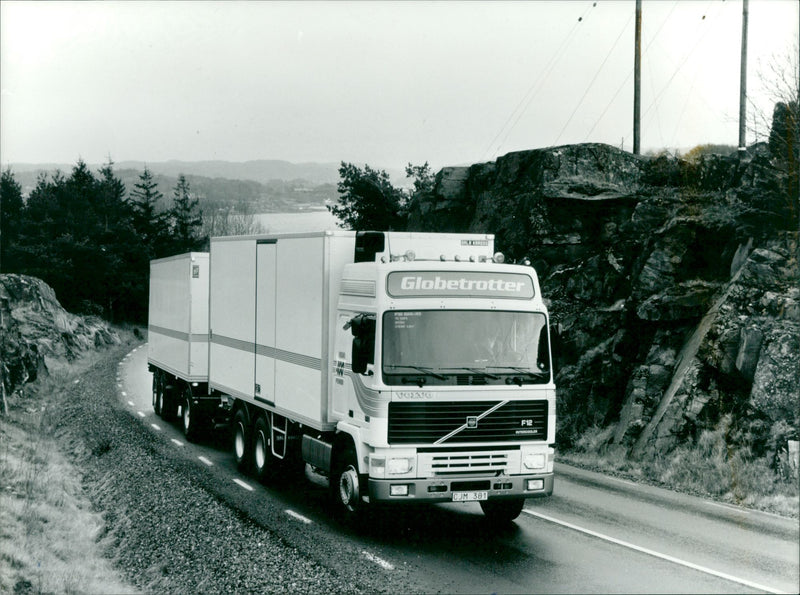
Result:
637,81
743,84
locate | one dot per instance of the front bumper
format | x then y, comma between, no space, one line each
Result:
441,490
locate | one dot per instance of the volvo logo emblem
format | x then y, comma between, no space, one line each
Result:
472,421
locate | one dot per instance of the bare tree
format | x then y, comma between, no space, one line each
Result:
780,79
231,220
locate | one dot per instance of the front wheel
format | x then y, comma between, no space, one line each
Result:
345,485
502,512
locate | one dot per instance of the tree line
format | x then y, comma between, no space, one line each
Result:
91,240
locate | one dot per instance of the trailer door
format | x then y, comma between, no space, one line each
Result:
266,267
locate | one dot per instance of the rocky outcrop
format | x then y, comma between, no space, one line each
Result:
673,285
37,336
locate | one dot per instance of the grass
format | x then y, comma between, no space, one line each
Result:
49,534
710,468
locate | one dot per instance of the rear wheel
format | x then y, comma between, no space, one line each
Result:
502,512
192,421
158,392
264,463
241,439
168,408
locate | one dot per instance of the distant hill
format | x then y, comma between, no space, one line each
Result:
263,170
273,196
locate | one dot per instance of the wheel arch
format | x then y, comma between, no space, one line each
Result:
349,436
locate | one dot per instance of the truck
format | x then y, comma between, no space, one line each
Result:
406,367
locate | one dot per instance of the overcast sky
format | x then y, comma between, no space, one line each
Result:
384,83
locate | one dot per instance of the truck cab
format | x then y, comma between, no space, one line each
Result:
442,375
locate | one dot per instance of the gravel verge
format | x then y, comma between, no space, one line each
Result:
165,530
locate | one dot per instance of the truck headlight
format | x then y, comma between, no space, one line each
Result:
398,466
377,466
534,461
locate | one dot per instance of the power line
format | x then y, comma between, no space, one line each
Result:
630,72
599,70
533,90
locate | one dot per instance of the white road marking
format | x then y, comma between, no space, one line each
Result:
140,414
239,482
76,381
726,507
299,517
205,461
124,394
654,553
131,403
379,561
156,427
177,442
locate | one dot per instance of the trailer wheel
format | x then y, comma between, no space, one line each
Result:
502,512
157,390
241,439
345,485
192,421
168,404
264,464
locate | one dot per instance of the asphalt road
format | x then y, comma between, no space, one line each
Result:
596,534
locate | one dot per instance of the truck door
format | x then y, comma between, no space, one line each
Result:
266,266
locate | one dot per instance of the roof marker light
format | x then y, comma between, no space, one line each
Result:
410,255
499,258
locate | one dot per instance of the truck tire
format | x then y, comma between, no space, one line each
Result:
264,463
192,420
158,388
168,404
345,486
241,439
502,512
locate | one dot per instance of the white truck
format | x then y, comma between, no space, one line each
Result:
407,367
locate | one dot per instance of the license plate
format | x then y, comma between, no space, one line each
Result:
470,496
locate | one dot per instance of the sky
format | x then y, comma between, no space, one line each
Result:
383,83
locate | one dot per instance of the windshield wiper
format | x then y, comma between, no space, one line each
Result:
426,371
534,374
481,372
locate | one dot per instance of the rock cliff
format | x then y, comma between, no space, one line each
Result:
673,285
37,336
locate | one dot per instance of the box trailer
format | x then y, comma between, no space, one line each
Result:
178,333
406,367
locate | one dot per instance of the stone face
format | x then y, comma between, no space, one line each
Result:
635,256
776,380
37,336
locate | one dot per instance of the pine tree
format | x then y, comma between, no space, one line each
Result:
11,207
149,224
112,207
186,219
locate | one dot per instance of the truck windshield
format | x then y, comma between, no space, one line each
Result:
465,347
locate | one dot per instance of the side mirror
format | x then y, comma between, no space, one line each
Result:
363,329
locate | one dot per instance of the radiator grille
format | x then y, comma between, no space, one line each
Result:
446,464
429,422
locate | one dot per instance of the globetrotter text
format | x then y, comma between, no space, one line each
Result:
437,283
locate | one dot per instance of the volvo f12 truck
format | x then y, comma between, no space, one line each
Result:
405,367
